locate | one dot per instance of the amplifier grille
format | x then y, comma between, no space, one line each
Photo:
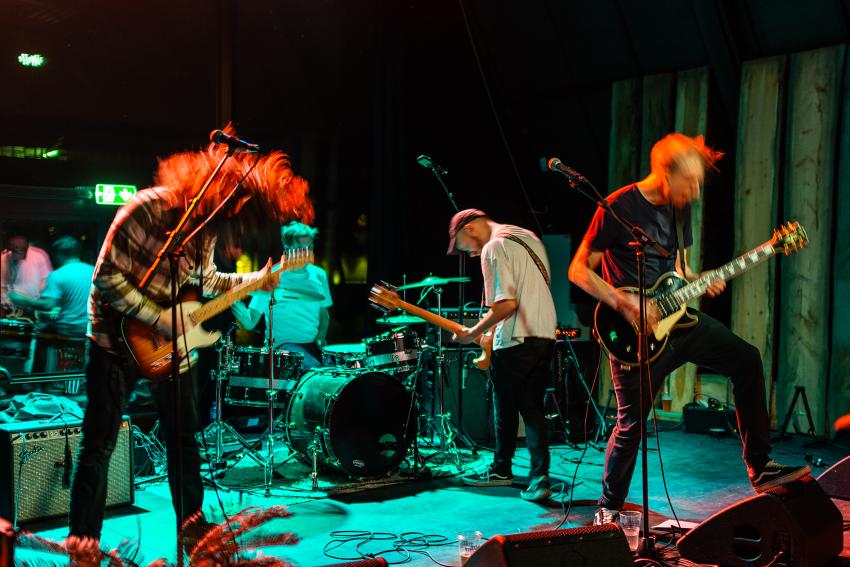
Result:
38,466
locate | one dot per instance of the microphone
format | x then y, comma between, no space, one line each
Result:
220,137
556,165
426,161
66,465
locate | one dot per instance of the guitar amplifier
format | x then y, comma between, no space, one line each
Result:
32,475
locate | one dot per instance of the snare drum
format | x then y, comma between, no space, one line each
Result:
247,369
393,352
347,356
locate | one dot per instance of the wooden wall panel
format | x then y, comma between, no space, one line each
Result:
813,105
656,116
624,140
838,393
757,185
691,118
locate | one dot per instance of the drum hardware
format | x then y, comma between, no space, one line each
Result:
433,281
218,428
393,352
440,423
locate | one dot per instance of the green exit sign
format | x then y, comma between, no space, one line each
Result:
109,194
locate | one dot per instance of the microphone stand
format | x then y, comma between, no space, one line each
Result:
646,547
173,248
439,172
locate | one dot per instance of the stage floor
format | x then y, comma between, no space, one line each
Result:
703,475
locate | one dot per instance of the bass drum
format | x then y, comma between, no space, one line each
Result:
357,420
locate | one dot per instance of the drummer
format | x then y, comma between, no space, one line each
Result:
302,298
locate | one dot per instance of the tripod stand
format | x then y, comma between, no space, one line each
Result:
219,428
440,423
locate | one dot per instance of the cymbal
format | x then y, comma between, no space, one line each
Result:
401,320
433,281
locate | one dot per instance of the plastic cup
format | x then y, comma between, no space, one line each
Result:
630,523
468,543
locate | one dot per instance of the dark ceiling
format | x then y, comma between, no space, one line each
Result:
356,89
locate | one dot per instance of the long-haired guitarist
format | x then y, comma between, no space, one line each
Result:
678,165
270,193
522,316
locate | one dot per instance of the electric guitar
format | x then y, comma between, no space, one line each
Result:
151,351
671,294
389,299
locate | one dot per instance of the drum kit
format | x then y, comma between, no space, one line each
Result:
357,414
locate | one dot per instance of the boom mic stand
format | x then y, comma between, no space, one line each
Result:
173,248
439,172
646,548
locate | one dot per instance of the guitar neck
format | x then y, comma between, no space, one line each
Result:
433,318
728,271
231,296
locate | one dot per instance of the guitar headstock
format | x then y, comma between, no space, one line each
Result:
295,259
789,238
385,296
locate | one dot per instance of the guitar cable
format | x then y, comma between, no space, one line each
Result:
572,485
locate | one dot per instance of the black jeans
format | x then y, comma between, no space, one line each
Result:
109,381
519,375
709,344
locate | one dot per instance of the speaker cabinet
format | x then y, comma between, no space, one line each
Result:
572,396
592,546
795,524
32,474
835,480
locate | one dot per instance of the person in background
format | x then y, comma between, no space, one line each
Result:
24,269
67,288
302,298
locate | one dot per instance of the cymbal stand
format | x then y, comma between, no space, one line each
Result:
268,465
218,428
441,423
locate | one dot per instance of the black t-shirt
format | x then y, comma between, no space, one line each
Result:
606,235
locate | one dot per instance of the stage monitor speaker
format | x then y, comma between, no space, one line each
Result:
795,524
34,472
592,546
835,480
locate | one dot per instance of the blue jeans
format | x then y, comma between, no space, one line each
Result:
109,381
709,344
519,375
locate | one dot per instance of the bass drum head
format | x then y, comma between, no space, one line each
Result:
362,419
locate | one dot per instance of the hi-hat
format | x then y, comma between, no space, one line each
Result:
433,281
401,320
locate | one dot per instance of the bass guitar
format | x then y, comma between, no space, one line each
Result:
151,351
387,298
671,294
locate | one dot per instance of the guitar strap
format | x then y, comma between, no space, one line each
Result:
679,221
534,257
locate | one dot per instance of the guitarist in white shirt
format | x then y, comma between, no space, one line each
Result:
522,315
678,170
